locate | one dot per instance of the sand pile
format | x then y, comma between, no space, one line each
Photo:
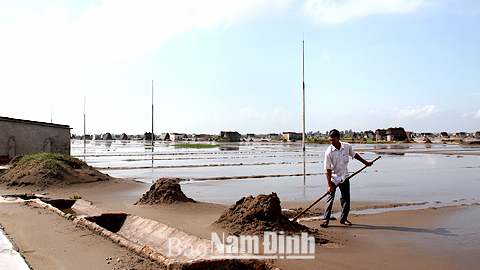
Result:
165,190
255,215
45,169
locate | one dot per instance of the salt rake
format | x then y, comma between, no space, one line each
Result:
323,196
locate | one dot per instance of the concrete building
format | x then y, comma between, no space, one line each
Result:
24,137
369,134
292,136
148,136
230,136
396,134
176,137
165,136
353,135
380,134
107,137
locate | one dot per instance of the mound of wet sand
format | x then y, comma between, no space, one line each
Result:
254,215
44,170
165,190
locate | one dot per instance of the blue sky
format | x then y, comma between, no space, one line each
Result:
237,65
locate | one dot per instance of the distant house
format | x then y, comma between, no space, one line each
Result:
176,137
369,134
24,137
230,136
251,136
107,136
352,135
477,135
148,136
165,136
444,135
202,136
381,135
292,136
396,134
97,137
461,134
124,137
273,135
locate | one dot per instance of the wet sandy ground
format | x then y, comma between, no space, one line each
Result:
432,238
439,236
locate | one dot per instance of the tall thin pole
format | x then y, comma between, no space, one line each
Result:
84,125
152,115
303,75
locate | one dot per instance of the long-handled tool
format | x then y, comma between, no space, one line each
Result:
323,196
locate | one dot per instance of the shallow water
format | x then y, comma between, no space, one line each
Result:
406,173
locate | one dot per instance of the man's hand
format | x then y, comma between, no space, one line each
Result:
331,188
366,163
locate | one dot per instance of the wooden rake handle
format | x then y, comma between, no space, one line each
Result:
323,196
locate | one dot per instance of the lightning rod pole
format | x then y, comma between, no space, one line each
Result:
303,75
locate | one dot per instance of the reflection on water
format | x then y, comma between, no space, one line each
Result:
410,175
229,148
390,146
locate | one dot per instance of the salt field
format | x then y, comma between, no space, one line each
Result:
407,173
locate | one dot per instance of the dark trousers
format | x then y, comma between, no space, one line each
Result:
344,201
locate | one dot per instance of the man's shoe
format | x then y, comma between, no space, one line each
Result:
324,224
346,223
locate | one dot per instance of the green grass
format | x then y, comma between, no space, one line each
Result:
50,161
196,145
318,141
38,158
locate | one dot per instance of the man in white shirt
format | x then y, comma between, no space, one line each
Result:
336,166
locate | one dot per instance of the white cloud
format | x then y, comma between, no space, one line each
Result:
119,30
325,57
417,112
277,114
247,113
474,94
471,114
477,115
116,30
334,11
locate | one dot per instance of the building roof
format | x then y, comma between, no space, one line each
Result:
7,119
